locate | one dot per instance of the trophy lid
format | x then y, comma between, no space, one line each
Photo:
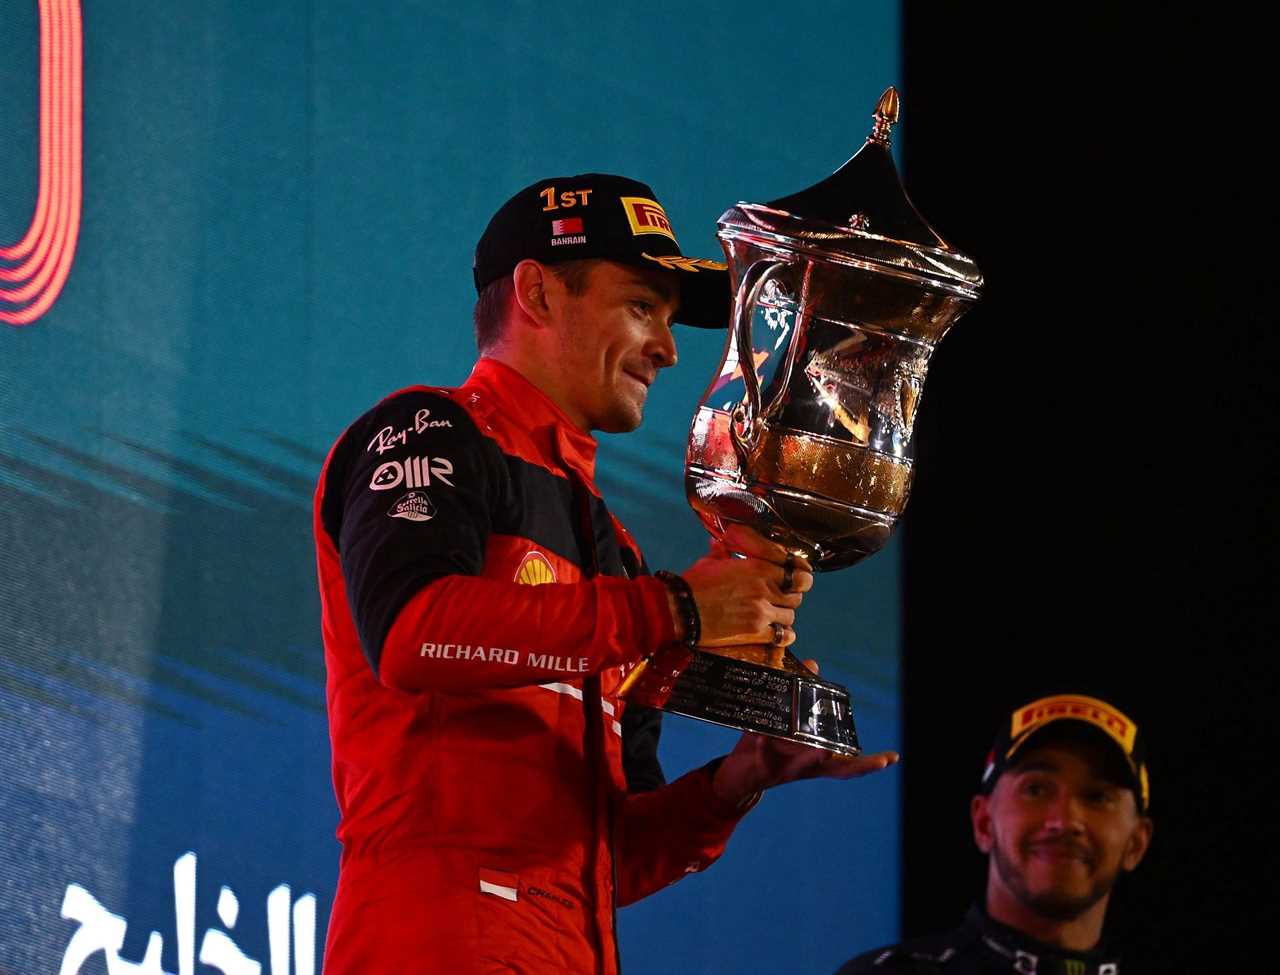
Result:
861,214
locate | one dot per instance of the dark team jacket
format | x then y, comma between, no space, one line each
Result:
980,946
480,608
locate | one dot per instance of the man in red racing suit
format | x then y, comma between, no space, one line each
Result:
480,609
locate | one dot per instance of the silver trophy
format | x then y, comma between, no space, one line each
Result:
841,293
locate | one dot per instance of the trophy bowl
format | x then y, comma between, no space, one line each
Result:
841,293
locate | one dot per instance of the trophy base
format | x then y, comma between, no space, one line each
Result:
761,689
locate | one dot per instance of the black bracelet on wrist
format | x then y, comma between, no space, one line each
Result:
685,606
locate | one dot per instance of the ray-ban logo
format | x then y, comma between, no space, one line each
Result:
34,269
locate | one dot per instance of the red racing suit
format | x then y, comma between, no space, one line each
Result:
480,606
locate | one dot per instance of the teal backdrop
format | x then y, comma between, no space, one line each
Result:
280,203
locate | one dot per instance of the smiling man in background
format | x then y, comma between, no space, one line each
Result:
1061,814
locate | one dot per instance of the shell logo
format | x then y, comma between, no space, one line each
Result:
33,270
535,570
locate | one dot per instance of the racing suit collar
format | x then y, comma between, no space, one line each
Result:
1027,956
554,432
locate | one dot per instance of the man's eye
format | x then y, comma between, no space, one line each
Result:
643,307
1035,788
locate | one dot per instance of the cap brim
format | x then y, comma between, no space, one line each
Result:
704,300
704,290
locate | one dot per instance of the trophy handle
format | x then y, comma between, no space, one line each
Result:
747,419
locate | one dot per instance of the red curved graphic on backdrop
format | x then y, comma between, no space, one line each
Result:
39,263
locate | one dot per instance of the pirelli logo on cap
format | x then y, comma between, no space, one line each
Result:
1098,713
646,217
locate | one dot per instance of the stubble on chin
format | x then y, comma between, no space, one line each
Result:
623,418
625,410
1052,904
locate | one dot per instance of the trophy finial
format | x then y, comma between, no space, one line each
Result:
886,115
866,194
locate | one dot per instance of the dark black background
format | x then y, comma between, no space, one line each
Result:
1094,508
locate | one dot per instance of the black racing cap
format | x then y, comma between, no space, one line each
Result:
1073,712
601,217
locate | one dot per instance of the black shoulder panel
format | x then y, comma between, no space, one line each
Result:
410,495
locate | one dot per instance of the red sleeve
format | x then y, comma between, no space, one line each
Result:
411,496
463,632
663,835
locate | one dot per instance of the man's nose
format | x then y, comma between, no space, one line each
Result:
662,350
1065,813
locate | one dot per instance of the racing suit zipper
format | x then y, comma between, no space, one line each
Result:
594,748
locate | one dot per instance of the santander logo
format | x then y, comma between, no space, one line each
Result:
33,270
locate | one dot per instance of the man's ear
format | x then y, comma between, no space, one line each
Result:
980,815
530,291
1138,844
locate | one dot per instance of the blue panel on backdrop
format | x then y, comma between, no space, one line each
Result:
280,202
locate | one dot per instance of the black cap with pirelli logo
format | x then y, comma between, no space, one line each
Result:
1073,714
595,216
